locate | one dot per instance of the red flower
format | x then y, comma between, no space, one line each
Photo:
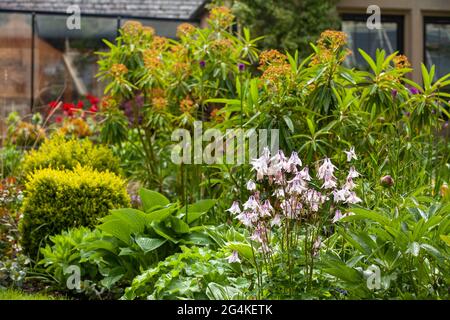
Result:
92,99
58,119
53,104
68,106
80,104
93,108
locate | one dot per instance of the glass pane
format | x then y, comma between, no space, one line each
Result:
163,28
65,63
360,37
437,47
15,64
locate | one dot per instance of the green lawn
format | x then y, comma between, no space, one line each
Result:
10,294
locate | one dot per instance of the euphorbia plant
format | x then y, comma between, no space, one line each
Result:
289,211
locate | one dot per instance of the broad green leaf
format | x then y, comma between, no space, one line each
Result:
149,244
178,225
164,232
118,229
243,249
151,199
158,215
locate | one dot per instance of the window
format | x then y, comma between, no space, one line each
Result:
65,63
15,63
437,44
389,38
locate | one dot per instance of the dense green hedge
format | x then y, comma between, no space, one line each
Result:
58,200
59,153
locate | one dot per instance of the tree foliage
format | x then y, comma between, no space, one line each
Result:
287,24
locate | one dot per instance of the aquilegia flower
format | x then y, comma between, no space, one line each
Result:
284,194
234,257
251,185
234,209
351,154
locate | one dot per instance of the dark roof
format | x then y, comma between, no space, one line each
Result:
173,9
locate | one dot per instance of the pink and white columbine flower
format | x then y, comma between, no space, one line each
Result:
260,165
248,218
353,173
297,196
297,185
304,174
291,165
234,257
349,184
260,233
340,195
326,170
251,204
266,209
353,198
351,154
251,185
337,216
234,209
329,182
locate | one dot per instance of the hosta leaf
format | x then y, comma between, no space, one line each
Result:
132,217
149,244
179,226
117,229
196,238
151,199
158,215
164,232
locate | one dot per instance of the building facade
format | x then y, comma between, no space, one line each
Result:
418,28
42,60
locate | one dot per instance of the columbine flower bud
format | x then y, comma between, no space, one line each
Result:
387,181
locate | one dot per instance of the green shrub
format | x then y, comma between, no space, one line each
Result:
57,200
59,153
